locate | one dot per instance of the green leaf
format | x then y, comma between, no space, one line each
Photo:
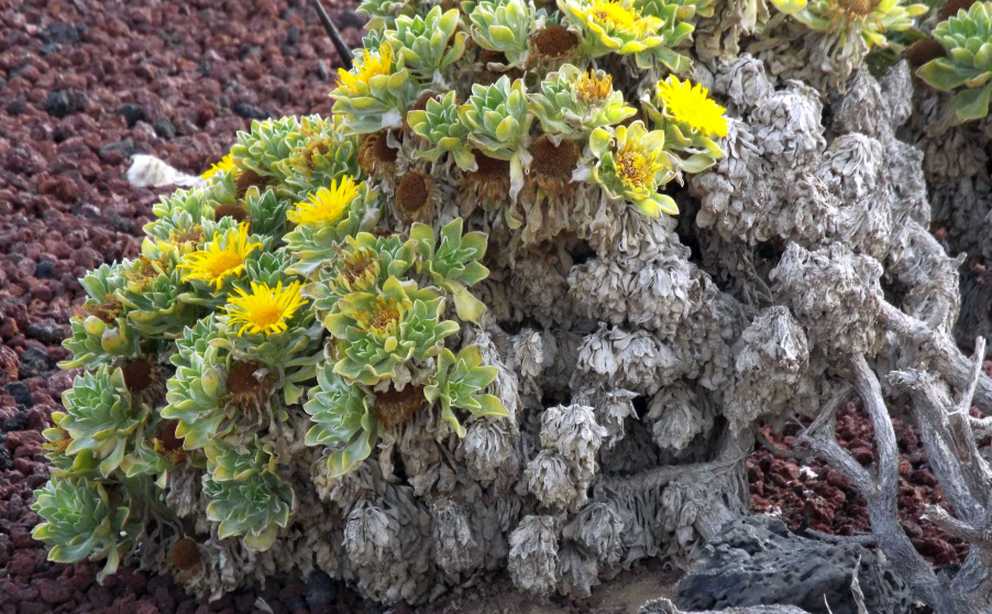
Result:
943,75
972,104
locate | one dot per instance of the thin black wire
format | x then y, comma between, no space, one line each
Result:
334,33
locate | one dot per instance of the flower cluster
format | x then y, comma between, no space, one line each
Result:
256,296
860,24
316,293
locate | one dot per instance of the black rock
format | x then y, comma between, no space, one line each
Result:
292,36
249,111
111,151
46,331
757,560
21,393
16,106
164,128
61,103
17,422
321,592
34,362
45,269
62,33
5,462
132,113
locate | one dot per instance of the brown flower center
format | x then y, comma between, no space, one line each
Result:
552,160
395,407
858,8
248,178
374,151
554,41
185,554
137,374
233,210
412,192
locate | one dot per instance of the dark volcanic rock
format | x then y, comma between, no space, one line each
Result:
758,561
61,103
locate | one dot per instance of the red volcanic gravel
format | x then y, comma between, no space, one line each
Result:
83,86
829,504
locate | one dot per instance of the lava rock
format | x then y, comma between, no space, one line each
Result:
46,332
249,111
61,103
321,592
45,269
117,152
34,362
62,33
758,561
164,128
21,393
132,113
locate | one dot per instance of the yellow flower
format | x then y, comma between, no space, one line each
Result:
591,88
613,14
265,309
225,165
372,64
327,205
223,257
691,105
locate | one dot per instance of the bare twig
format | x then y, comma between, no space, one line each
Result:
335,35
947,358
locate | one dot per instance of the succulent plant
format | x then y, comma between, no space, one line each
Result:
383,13
678,17
499,122
153,293
100,331
376,93
100,418
377,332
323,153
967,40
632,164
572,102
440,125
503,26
863,22
458,384
612,26
325,218
342,421
194,393
247,498
428,44
361,264
454,264
80,523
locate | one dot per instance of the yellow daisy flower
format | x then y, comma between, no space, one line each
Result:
691,105
372,64
614,15
265,309
225,165
223,257
327,205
